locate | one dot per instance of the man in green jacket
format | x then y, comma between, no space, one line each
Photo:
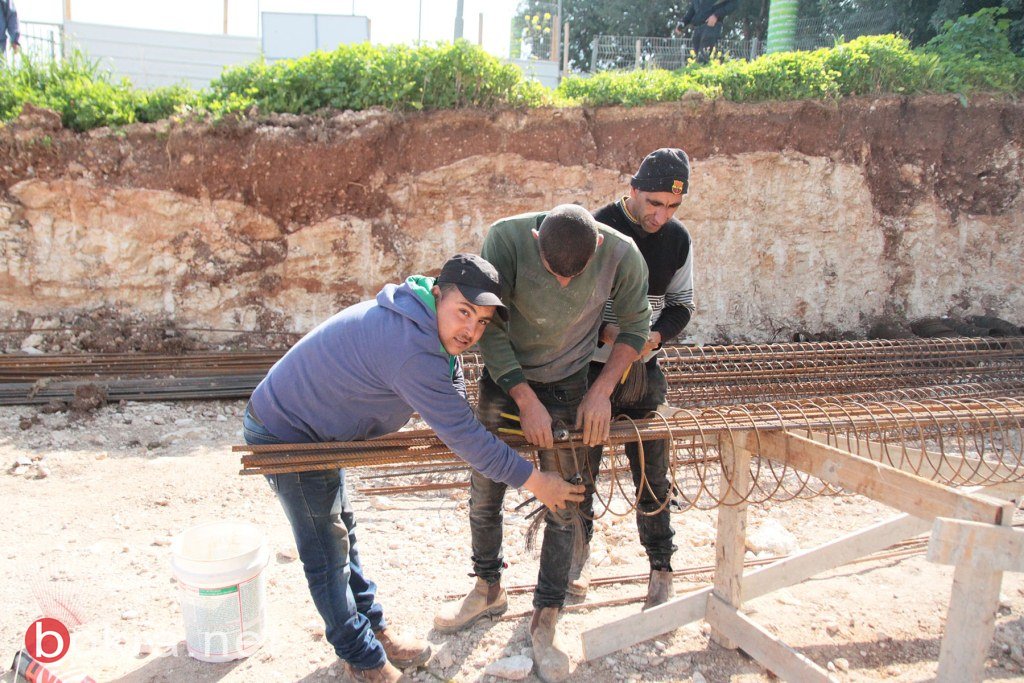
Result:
558,269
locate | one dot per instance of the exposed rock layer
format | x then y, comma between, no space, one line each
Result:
805,216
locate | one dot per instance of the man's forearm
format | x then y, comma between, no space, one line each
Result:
621,357
523,395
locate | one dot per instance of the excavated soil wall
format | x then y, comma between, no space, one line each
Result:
806,216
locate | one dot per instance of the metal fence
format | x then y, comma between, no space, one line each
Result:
649,52
40,41
653,52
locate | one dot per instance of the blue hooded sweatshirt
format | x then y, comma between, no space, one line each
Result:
364,371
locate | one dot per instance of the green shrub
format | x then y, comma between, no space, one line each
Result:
974,53
75,87
968,55
362,76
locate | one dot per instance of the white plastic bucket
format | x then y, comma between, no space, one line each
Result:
220,568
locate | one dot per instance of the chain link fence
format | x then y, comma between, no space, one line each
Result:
652,52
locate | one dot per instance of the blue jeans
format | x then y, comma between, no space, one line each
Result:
485,503
654,529
324,525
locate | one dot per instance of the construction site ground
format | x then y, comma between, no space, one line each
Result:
92,501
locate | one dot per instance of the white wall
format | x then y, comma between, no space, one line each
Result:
154,58
541,70
288,36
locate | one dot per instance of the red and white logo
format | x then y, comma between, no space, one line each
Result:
47,640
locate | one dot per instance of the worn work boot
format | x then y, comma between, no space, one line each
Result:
485,600
659,588
385,673
579,576
403,652
548,654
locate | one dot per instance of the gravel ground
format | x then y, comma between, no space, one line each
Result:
92,501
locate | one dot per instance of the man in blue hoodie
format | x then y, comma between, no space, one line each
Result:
361,374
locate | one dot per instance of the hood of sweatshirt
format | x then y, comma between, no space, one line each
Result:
415,300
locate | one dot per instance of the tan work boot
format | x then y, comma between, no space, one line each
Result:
485,600
548,654
403,652
385,673
579,576
659,588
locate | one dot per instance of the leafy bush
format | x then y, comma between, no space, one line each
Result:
75,88
970,54
362,76
974,53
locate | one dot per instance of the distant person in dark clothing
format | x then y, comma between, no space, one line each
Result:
706,18
9,26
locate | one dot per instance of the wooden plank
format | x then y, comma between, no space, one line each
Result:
603,640
985,545
636,628
971,619
803,565
731,539
769,651
925,463
903,491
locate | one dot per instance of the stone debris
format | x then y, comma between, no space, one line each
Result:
443,656
31,342
514,668
383,503
771,537
842,664
287,555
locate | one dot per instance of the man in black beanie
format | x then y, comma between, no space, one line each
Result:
647,215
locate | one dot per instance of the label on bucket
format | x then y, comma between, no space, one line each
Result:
224,623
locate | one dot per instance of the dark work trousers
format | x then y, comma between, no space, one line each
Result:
704,40
655,530
561,399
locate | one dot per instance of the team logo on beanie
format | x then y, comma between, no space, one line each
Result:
678,186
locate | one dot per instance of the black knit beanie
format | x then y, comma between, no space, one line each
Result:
664,170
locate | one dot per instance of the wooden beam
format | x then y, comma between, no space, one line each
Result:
803,565
984,545
769,651
971,618
731,539
603,640
925,463
636,628
903,491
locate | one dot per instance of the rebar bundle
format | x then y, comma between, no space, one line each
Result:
697,375
953,440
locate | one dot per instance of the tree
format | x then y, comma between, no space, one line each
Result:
821,21
590,18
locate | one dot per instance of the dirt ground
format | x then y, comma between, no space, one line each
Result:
90,511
